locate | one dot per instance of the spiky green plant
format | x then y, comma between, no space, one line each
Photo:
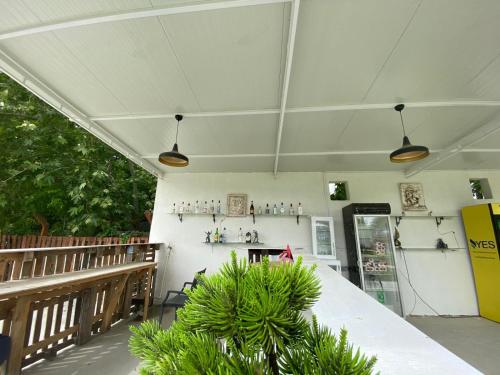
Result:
247,319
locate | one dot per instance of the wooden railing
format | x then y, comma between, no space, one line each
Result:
26,263
28,241
62,315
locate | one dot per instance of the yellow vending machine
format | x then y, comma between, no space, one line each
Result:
482,228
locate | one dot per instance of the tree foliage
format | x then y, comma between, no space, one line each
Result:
248,320
51,169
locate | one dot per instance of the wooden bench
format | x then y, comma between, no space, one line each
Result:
43,315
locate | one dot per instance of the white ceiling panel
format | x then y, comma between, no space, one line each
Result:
491,142
470,160
341,45
232,57
313,131
199,136
26,13
446,46
373,162
205,165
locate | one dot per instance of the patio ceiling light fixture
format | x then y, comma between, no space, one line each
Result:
174,158
407,152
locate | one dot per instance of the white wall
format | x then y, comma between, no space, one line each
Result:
443,279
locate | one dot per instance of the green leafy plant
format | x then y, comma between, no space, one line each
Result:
247,319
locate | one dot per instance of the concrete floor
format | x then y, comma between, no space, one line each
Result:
105,354
476,340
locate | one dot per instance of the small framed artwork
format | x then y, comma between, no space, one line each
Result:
412,196
237,204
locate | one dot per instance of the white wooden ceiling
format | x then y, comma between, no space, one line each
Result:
268,85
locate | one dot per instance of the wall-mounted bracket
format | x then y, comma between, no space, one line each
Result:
180,217
213,218
439,219
398,220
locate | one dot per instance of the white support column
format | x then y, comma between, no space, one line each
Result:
476,135
294,15
47,94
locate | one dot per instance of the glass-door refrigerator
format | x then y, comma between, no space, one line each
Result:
370,253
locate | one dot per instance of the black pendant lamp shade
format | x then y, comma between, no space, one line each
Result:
174,158
407,152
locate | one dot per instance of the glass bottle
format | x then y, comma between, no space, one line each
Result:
219,208
259,212
212,207
299,210
275,210
252,209
268,210
188,208
181,208
292,211
205,208
196,208
174,209
240,236
223,236
216,235
282,209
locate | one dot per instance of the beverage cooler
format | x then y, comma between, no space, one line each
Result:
370,252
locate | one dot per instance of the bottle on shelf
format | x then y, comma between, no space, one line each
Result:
259,211
241,238
174,209
196,208
205,208
275,210
219,208
212,207
268,210
282,209
252,209
300,211
181,208
188,208
216,235
223,236
292,211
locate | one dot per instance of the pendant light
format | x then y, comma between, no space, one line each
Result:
174,158
407,152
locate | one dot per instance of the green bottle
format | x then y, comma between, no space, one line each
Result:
381,297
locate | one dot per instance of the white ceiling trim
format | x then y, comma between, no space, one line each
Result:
476,135
318,153
44,92
145,13
331,108
294,16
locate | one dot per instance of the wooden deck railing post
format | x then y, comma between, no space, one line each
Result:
112,300
86,315
18,332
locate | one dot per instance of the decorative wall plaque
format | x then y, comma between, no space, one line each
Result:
237,204
412,196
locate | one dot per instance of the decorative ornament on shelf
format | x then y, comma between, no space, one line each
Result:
207,238
255,237
397,242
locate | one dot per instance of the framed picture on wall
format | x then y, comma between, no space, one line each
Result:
412,196
237,204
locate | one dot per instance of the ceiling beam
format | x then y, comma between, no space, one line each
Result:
461,145
294,16
317,153
134,14
331,108
48,95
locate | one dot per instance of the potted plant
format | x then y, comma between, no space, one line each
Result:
247,319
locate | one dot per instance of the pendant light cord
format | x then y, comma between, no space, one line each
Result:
177,132
402,123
